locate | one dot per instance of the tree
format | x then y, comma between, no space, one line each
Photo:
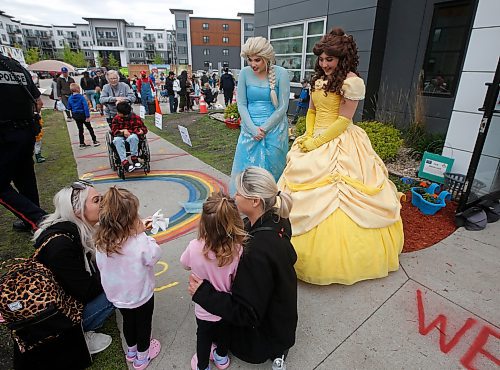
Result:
76,59
112,62
32,55
158,59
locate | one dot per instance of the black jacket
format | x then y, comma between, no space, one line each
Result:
227,82
262,308
64,257
87,83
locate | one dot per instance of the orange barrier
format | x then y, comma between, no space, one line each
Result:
157,106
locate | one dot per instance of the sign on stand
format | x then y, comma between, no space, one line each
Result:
185,135
142,112
158,121
434,166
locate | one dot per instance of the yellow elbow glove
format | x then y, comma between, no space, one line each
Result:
334,130
310,119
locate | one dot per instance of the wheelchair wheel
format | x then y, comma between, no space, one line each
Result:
111,153
121,172
145,154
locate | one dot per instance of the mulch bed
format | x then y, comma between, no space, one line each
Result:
423,231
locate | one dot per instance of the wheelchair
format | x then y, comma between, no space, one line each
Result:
143,154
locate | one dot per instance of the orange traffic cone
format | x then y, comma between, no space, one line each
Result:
234,96
203,105
157,106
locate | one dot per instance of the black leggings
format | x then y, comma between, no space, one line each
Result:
80,124
208,332
137,325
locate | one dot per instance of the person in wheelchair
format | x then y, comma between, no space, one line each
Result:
210,97
127,126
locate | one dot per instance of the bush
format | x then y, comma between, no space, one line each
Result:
420,140
386,139
300,126
231,112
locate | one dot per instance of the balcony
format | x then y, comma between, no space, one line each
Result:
107,36
149,39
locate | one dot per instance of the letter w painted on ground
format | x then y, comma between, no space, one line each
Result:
440,324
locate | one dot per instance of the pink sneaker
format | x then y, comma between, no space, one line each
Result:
130,356
154,350
220,362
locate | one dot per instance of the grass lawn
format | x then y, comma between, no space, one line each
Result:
58,171
213,142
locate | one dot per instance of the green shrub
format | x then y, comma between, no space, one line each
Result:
231,111
386,139
419,140
300,126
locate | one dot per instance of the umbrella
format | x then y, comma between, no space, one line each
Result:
50,66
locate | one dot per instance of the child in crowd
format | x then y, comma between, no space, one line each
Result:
38,144
214,256
81,114
127,126
97,98
303,101
126,257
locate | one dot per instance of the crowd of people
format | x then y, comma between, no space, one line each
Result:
323,212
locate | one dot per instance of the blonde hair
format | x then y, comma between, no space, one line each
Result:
118,220
221,228
256,182
69,205
261,47
74,87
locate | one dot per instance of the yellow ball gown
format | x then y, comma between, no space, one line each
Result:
346,212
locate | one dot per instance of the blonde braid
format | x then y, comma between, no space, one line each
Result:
272,84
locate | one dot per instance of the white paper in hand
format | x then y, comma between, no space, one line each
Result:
142,112
159,222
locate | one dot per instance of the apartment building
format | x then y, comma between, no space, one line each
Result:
210,43
98,39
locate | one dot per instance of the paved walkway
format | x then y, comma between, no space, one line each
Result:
370,325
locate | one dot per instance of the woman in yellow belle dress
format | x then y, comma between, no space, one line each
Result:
346,212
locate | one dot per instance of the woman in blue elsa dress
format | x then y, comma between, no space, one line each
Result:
262,97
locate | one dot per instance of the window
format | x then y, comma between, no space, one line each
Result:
445,47
1,27
245,39
181,37
160,46
206,39
130,45
204,26
159,35
225,27
60,33
138,44
225,52
181,24
206,51
130,35
183,61
206,64
248,27
225,39
85,44
61,43
4,38
137,35
293,44
182,49
84,33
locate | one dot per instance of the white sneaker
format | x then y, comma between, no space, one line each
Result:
137,164
97,342
131,168
279,364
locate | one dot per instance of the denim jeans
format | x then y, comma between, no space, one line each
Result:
96,312
119,142
173,103
90,96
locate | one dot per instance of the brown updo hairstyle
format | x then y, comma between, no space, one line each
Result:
336,44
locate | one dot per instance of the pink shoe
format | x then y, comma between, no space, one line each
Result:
154,350
131,356
220,362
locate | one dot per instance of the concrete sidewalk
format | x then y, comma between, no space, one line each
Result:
370,325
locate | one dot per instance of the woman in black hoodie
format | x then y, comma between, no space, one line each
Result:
262,305
71,256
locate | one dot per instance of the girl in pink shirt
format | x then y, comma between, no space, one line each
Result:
126,257
214,256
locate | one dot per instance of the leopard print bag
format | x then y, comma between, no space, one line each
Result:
33,304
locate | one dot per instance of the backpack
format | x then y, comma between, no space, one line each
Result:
33,304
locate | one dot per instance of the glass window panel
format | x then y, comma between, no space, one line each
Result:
287,31
310,43
315,28
294,76
287,46
289,62
310,61
308,75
